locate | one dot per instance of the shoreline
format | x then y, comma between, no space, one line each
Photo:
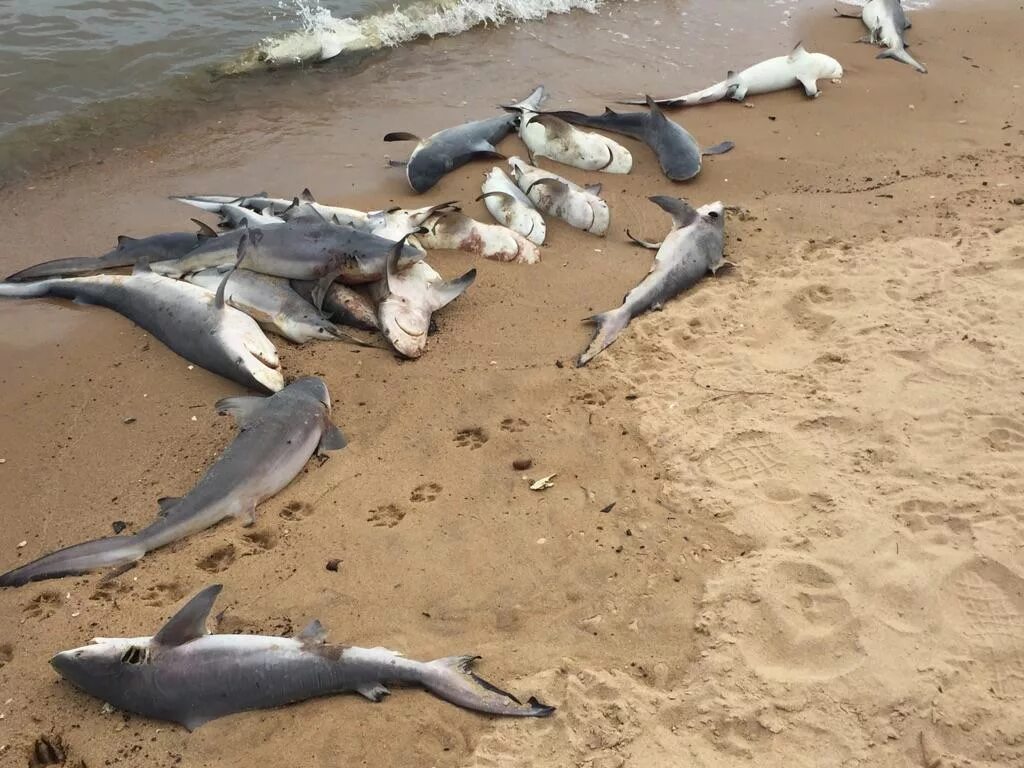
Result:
684,621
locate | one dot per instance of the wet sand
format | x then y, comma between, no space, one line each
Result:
816,556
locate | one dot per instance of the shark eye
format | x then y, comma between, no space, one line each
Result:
134,655
712,214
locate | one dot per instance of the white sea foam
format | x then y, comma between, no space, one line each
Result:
323,37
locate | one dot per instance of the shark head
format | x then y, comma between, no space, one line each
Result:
713,214
312,387
105,666
426,168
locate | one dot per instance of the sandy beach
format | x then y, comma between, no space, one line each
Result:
815,555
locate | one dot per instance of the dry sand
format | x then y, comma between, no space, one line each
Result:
816,556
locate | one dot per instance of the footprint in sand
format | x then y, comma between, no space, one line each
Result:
987,607
1004,435
164,593
748,456
472,438
802,628
296,510
47,750
425,492
386,516
807,306
43,605
218,560
514,425
260,541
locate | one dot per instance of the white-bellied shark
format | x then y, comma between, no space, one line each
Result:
186,675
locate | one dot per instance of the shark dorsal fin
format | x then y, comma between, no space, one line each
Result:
242,407
123,240
205,230
306,196
314,633
394,256
798,50
189,623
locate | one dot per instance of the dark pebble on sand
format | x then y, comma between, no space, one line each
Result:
559,364
118,525
1018,201
129,420
332,565
521,465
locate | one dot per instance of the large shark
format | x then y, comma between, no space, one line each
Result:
186,675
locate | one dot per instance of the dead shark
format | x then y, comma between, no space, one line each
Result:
190,320
677,151
452,148
186,675
692,249
277,435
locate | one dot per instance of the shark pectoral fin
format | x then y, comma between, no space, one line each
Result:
486,154
247,515
810,86
375,692
242,407
314,633
444,294
331,439
189,623
683,214
559,186
719,149
401,136
848,11
594,189
319,292
166,503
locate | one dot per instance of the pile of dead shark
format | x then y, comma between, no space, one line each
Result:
305,271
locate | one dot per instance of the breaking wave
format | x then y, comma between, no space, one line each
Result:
322,36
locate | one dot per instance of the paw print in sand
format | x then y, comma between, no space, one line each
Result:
472,438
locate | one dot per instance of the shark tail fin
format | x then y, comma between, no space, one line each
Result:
452,679
900,54
609,326
29,290
77,559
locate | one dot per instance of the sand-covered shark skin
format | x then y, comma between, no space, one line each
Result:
185,675
452,148
799,68
677,151
277,436
692,249
580,207
510,206
190,320
453,230
554,138
167,246
887,25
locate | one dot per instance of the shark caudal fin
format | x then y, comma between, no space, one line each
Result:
900,54
76,560
31,290
452,679
609,326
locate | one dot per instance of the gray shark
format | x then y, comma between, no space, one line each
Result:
277,435
342,304
887,25
193,322
677,151
298,250
186,675
692,249
167,246
452,148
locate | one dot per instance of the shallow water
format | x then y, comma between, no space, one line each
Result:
78,76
